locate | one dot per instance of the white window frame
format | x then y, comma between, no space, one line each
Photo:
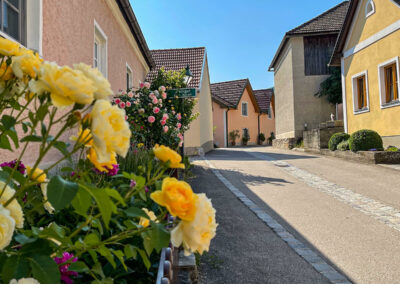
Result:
130,73
354,84
247,109
101,39
367,14
381,79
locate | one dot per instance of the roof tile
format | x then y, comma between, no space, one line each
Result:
263,98
228,93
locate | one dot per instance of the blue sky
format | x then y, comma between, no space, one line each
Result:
241,36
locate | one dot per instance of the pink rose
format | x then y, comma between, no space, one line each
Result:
156,110
163,122
155,101
147,85
179,125
164,95
117,101
178,116
130,94
122,105
162,89
151,119
160,101
173,112
152,96
165,129
126,117
128,104
165,116
141,85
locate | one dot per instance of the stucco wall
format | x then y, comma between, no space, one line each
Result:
284,101
218,124
200,134
267,125
307,107
237,121
68,37
385,121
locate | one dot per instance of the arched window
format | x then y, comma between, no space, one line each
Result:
369,8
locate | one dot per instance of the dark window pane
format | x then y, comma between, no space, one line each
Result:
10,21
15,3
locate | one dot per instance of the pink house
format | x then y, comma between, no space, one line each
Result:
236,106
101,33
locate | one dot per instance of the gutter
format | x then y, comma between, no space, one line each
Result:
227,128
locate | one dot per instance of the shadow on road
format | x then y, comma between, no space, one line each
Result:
226,155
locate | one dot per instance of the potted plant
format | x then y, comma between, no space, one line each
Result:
270,138
245,138
233,135
260,139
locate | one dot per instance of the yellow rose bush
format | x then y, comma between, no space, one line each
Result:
80,206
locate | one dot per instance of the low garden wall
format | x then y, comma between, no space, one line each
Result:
318,138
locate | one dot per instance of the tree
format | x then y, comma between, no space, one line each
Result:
332,87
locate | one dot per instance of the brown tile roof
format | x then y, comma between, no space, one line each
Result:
229,93
329,22
130,18
263,98
178,59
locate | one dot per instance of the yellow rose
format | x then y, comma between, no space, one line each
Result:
110,130
166,154
14,208
83,138
8,47
103,87
27,63
24,281
7,226
145,222
66,86
6,72
177,197
197,234
37,175
47,205
102,167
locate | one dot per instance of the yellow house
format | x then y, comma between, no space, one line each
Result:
368,50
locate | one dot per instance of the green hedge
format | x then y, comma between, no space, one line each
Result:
364,140
336,139
343,146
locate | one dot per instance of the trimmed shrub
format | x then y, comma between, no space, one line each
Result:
392,149
343,146
336,139
364,140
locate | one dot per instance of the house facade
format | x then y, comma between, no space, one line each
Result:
101,33
199,138
266,101
368,51
235,107
300,65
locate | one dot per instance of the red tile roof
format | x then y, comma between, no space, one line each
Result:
178,59
229,93
263,98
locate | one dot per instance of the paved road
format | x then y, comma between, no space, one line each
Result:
340,221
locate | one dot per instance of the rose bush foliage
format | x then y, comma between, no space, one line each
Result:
80,218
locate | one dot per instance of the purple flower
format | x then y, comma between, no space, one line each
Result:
146,189
21,167
133,183
65,273
110,172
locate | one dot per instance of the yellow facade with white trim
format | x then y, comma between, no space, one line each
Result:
372,41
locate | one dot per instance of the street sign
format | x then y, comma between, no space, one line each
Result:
181,93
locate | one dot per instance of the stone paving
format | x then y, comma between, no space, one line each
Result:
379,211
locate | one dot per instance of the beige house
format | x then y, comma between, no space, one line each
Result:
101,33
199,138
299,66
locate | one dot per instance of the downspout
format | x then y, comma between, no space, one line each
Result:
258,126
227,128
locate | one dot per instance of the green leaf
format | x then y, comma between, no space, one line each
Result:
135,212
115,194
104,251
13,135
159,236
62,147
91,239
32,138
82,201
130,251
32,117
142,194
145,259
4,143
25,126
15,267
42,111
147,242
16,175
79,266
61,192
44,269
158,184
8,121
120,255
53,231
44,129
39,246
23,239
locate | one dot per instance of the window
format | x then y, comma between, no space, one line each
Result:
389,82
129,77
13,19
100,50
269,112
360,92
369,8
244,109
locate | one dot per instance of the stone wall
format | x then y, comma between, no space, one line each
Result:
318,138
284,143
